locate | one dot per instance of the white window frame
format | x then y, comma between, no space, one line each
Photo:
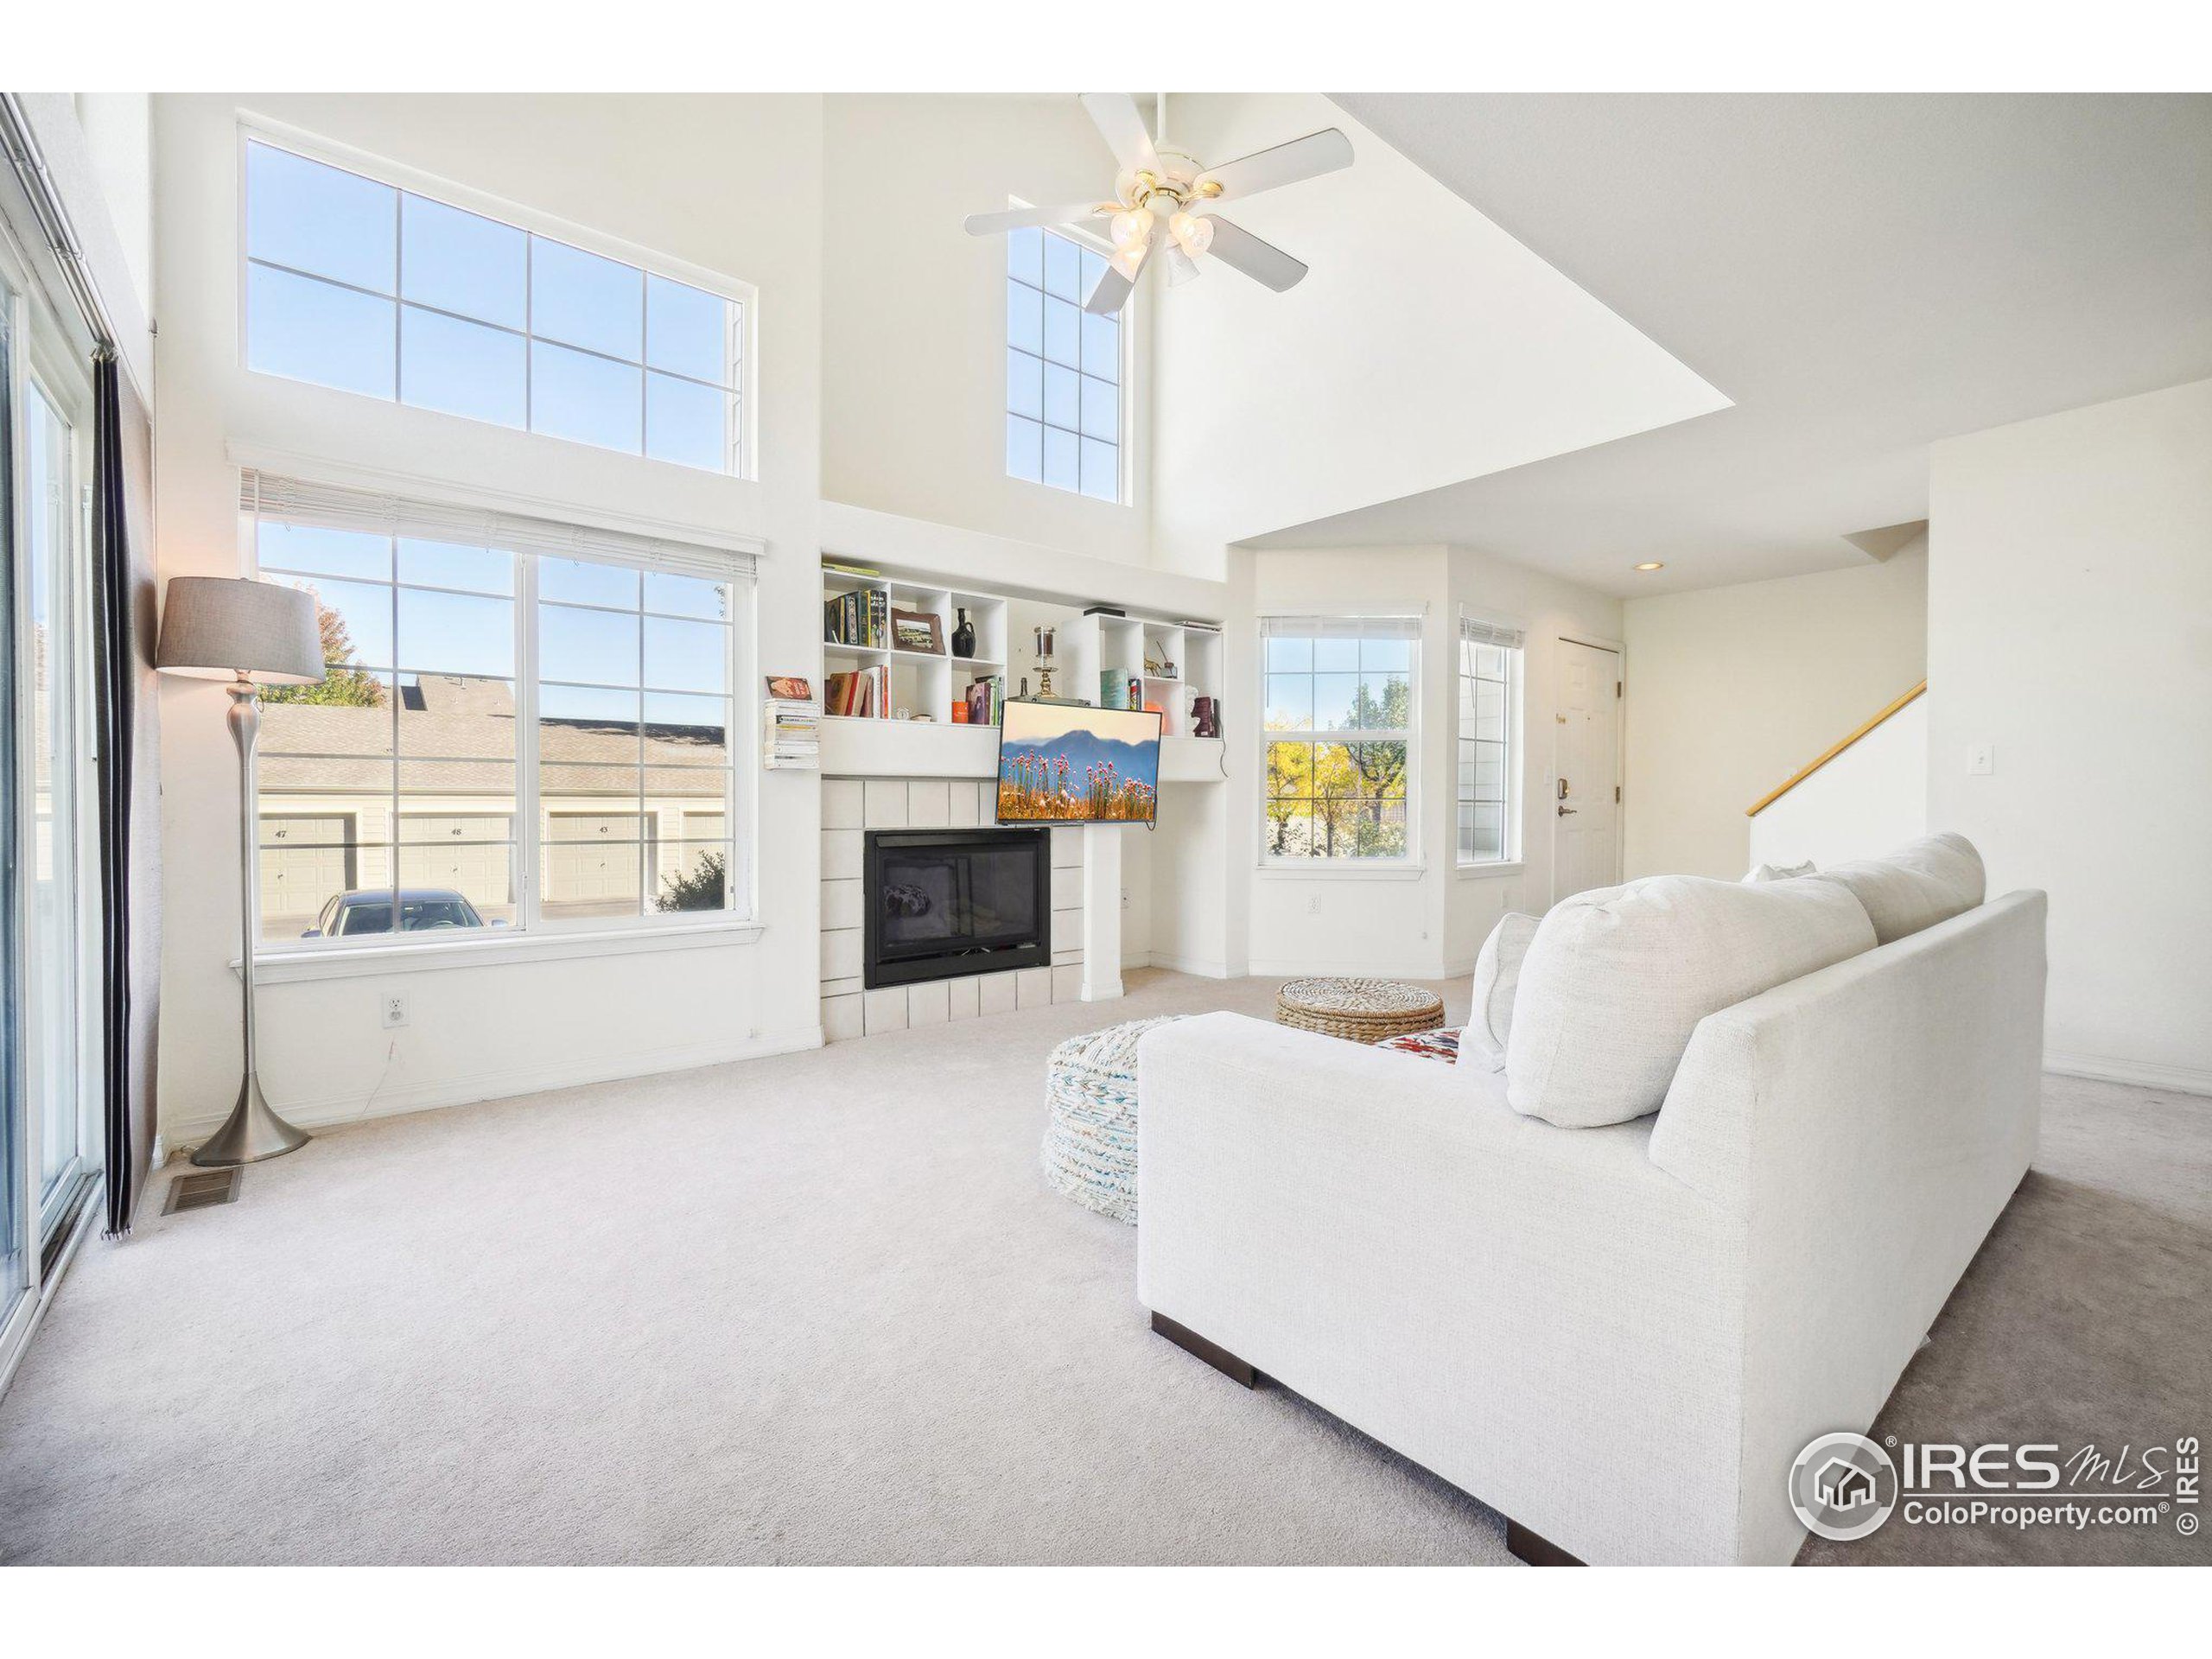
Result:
1472,623
1409,865
745,456
532,936
1125,419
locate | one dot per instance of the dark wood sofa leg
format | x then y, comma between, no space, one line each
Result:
1213,1353
1535,1550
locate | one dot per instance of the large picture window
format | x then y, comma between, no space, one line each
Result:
1339,725
1063,369
506,737
357,284
1489,737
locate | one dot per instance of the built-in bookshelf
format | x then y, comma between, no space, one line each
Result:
860,630
1173,664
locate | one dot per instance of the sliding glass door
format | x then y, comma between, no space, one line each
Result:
49,1031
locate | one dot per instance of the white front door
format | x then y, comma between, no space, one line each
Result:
1586,795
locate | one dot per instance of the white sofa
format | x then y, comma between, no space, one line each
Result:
1619,1337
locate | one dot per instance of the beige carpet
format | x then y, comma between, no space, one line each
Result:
823,1308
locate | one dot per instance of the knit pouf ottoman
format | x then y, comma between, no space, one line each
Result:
1090,1142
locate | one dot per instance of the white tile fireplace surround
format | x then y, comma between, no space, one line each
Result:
851,807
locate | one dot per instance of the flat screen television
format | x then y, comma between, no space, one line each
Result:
1061,763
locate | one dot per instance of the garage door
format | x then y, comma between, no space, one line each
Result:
594,864
464,851
304,860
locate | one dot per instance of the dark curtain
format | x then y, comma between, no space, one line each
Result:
114,718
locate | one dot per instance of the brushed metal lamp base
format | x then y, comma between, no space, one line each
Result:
252,1133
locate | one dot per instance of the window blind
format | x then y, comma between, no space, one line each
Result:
330,506
1475,631
1342,627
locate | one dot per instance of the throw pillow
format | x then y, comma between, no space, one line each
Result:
1616,981
1922,883
1497,977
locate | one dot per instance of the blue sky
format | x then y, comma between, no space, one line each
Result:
449,310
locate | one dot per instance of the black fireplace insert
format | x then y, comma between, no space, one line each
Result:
941,903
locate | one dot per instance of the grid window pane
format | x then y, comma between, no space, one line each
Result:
449,564
315,331
673,595
1025,384
1025,449
1102,410
686,423
456,633
1025,257
1060,459
1063,332
1101,347
326,552
464,262
686,656
1338,796
497,324
580,582
1025,319
687,331
584,300
355,618
1102,470
321,219
1063,269
1484,808
587,647
463,368
1062,398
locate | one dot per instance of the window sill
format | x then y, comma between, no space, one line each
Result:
361,961
1504,866
1325,869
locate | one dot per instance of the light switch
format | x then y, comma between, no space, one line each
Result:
1981,759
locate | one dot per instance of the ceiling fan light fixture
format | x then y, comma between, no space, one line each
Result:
1193,234
1132,229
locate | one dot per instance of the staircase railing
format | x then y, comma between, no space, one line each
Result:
1830,753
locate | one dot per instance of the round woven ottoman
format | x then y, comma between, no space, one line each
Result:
1359,1010
1090,1142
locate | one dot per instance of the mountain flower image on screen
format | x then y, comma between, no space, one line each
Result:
1077,765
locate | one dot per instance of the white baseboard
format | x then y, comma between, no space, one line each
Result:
467,1090
2180,1079
1205,968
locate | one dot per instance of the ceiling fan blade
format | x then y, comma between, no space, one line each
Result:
1122,128
1263,262
1021,218
1116,284
1301,158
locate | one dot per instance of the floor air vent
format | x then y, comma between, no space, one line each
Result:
197,1192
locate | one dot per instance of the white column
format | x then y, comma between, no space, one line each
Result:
1101,910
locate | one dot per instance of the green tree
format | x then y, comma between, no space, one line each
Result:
342,684
697,888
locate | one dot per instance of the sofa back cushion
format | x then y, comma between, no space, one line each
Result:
1616,979
1922,883
1497,977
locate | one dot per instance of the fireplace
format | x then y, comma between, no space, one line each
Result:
941,903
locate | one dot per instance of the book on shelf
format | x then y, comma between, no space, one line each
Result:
862,617
863,693
986,699
792,738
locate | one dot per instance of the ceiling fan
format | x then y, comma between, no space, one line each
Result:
1163,199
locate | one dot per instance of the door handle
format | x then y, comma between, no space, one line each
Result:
1568,811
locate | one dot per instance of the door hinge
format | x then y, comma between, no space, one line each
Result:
1617,688
1617,794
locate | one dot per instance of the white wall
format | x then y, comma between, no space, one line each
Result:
2070,626
1732,689
913,344
1872,797
662,172
1425,346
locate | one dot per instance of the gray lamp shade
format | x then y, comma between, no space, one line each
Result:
222,627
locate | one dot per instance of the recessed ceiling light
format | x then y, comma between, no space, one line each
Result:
1653,565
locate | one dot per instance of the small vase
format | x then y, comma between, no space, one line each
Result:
964,637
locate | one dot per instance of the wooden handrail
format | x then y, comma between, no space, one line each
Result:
1830,753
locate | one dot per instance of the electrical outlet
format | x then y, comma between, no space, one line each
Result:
1981,759
395,1010
1312,904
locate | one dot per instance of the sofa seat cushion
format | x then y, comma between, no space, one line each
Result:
1922,883
1497,980
1616,979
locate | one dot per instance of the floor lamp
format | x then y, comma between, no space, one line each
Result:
251,634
